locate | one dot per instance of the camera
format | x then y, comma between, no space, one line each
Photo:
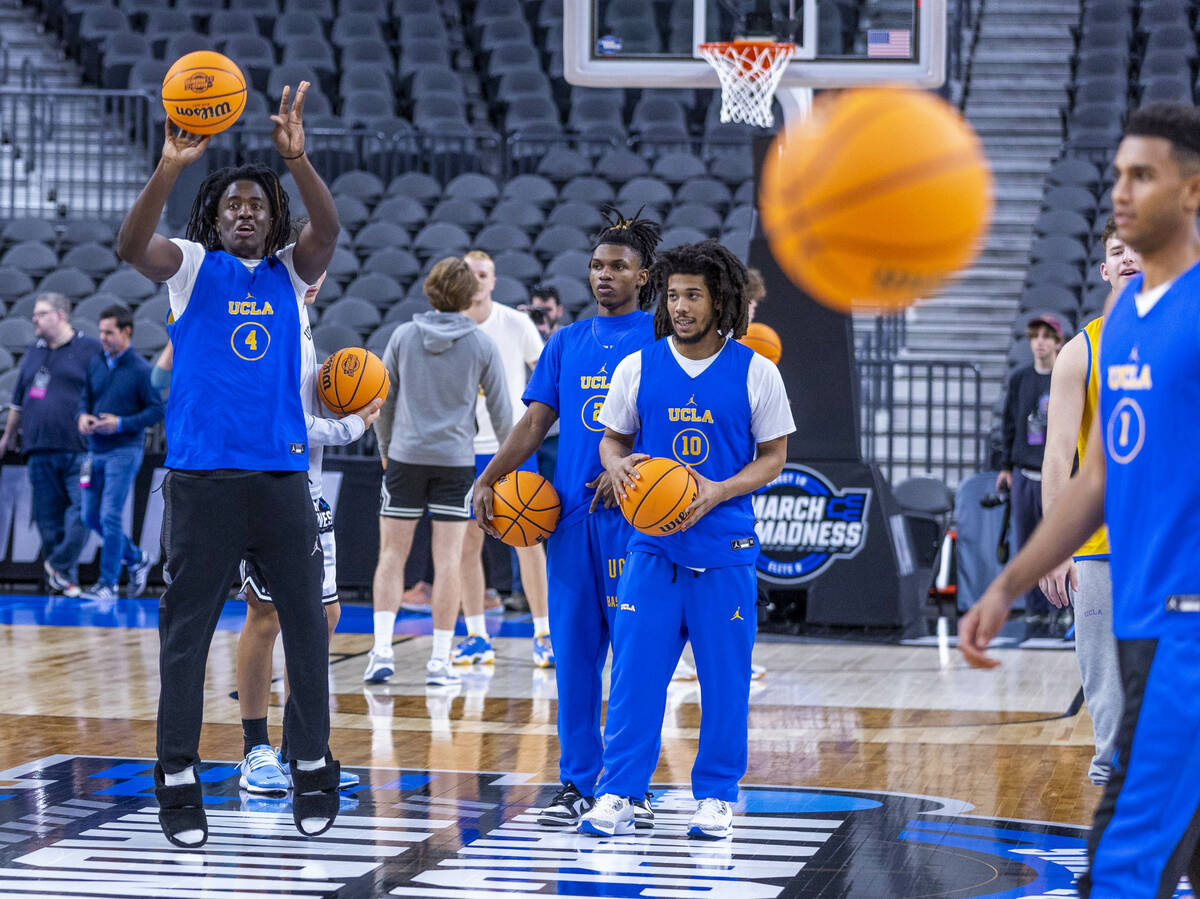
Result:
999,498
537,316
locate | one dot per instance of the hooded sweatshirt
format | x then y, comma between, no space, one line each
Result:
438,363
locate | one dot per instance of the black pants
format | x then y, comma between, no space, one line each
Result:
1026,515
209,524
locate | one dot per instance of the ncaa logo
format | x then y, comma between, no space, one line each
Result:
805,524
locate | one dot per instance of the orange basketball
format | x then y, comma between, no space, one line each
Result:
204,92
525,508
763,340
657,502
351,378
877,199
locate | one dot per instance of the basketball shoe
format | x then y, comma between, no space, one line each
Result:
475,650
380,666
60,583
611,816
643,814
543,651
139,573
262,772
440,673
713,820
566,808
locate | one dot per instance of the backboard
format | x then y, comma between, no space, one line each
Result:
841,43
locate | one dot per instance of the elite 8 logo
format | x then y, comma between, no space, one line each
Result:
804,524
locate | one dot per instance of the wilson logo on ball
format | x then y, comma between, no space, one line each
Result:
203,113
198,82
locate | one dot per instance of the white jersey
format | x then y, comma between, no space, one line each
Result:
520,345
323,431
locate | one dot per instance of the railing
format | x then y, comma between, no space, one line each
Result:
72,151
923,415
886,338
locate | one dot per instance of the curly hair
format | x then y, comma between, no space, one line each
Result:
639,234
202,222
724,275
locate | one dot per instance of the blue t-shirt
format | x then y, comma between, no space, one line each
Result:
705,423
235,384
1149,396
47,393
571,377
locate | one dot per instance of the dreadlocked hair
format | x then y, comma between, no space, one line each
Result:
724,275
639,234
202,222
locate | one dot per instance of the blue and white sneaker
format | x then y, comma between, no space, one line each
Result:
475,650
440,673
543,651
346,780
102,593
139,573
262,772
611,816
713,820
380,666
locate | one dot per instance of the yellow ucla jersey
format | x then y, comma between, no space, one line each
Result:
1097,544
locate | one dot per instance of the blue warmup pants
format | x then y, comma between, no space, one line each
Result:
583,563
1144,836
660,606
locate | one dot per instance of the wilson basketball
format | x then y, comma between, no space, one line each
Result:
763,340
525,508
350,379
877,199
204,92
656,503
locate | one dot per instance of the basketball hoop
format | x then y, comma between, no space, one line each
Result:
749,73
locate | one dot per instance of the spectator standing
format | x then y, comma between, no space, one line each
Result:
1023,445
116,405
45,405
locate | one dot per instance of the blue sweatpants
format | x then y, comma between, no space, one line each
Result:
584,559
660,606
1144,836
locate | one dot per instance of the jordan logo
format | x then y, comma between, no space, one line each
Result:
603,369
692,401
249,295
737,615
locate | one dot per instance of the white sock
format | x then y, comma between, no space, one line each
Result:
541,625
186,776
477,624
303,765
441,644
385,623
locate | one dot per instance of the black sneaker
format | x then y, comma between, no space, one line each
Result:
566,808
643,814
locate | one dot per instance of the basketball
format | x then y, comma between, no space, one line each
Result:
525,508
204,92
763,340
877,199
350,379
656,503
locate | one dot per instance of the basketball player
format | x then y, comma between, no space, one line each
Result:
520,346
1074,390
699,396
1146,487
262,770
237,449
438,364
587,549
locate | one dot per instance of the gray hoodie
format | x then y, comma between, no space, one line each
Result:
438,364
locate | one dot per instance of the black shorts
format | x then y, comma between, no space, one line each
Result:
444,491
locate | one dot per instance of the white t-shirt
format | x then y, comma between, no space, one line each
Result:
520,346
322,431
770,413
1148,299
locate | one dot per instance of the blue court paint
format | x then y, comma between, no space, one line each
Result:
785,802
120,772
407,782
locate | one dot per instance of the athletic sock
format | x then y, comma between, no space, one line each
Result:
541,625
441,644
477,624
179,778
385,624
310,765
254,733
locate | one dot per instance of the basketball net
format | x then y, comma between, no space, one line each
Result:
749,73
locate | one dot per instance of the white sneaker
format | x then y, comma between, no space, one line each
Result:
439,673
611,816
713,820
380,666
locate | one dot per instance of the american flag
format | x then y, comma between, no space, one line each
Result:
894,43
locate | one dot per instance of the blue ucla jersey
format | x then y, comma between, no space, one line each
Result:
235,384
703,422
1149,394
571,377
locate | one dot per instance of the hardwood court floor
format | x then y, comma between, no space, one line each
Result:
870,725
